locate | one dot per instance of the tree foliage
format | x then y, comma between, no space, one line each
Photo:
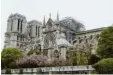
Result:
34,61
105,43
9,55
104,66
78,58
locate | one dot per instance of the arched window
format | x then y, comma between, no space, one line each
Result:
36,30
21,26
18,24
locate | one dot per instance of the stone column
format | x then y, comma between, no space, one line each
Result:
23,26
63,52
15,25
33,31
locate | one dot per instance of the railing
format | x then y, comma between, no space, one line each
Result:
52,69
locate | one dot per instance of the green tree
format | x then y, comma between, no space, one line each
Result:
105,43
77,58
72,58
8,57
104,66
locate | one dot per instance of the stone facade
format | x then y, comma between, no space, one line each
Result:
87,40
33,35
53,38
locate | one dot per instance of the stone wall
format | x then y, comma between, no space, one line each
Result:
87,40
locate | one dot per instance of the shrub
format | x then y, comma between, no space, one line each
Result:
34,61
13,65
104,66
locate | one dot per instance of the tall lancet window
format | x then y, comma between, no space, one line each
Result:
18,24
36,30
21,26
11,25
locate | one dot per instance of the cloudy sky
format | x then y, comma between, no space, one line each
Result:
92,13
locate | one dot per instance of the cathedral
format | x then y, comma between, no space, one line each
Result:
52,38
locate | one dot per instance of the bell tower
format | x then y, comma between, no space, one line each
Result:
16,24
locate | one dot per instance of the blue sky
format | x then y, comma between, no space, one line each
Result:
92,13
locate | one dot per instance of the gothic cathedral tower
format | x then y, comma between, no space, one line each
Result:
15,28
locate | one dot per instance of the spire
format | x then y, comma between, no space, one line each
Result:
57,16
44,21
49,15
